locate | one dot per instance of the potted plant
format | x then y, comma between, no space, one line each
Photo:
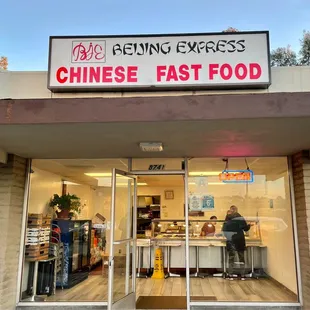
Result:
66,205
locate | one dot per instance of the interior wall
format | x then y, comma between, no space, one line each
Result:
43,186
278,236
169,208
266,199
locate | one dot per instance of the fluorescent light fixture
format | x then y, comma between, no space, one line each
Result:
209,183
126,184
151,147
107,181
204,173
70,183
98,174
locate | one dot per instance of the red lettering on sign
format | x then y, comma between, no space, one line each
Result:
172,74
241,71
106,74
94,74
119,74
61,75
132,74
255,71
160,72
88,51
226,72
85,75
213,69
178,73
196,72
75,73
184,74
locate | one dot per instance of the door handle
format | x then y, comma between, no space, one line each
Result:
111,261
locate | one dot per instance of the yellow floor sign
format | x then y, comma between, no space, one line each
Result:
158,265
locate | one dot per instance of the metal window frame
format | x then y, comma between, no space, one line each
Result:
126,241
189,303
295,230
23,232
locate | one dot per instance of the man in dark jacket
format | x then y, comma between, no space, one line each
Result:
233,229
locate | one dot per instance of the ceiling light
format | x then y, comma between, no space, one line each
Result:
216,183
70,183
205,173
126,184
98,174
151,147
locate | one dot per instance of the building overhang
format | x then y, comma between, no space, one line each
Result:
194,126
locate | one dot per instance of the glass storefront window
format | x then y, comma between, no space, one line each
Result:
66,256
243,232
238,228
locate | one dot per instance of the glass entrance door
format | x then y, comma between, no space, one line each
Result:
122,263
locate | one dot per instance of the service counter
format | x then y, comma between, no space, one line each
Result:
211,252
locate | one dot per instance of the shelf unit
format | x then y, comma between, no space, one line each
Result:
148,209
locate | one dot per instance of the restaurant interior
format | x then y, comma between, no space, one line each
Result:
80,270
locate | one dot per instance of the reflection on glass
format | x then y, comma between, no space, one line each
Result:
123,230
253,236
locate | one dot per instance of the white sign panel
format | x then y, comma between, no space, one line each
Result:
221,60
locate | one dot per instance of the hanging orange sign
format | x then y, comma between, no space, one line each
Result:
237,176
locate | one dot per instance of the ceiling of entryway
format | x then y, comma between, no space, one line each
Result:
212,138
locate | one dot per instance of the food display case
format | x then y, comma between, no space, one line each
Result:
170,236
175,229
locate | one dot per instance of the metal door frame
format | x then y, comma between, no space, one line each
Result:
127,241
184,173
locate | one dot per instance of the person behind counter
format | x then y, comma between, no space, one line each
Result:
208,229
233,229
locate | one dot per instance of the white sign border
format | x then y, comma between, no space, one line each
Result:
150,88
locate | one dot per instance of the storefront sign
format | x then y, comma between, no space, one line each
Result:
237,176
221,60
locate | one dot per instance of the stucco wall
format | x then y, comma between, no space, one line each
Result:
27,85
12,183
